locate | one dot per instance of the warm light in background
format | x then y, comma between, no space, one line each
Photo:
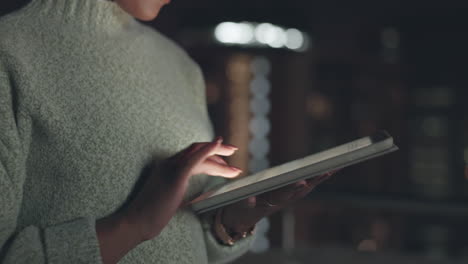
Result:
261,34
234,33
319,106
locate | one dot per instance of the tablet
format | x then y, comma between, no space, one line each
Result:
314,165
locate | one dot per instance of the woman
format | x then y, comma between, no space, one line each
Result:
92,104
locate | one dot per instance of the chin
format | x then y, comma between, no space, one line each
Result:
141,10
147,16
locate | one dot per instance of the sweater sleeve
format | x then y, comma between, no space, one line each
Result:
217,253
71,242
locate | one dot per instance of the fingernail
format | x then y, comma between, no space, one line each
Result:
301,182
219,139
231,146
236,169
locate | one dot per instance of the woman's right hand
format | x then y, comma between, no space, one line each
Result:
163,191
160,197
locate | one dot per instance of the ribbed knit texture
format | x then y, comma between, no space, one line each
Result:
88,96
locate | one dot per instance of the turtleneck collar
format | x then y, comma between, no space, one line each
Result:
94,15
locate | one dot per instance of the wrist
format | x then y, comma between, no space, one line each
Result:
230,220
119,225
116,237
134,223
229,235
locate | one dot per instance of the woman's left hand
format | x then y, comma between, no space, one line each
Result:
243,215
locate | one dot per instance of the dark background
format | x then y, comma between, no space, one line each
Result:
408,207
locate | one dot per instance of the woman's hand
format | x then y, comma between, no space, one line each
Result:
242,216
165,188
160,197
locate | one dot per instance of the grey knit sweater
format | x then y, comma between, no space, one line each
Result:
87,97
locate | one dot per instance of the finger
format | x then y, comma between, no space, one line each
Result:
318,180
217,159
283,196
332,172
195,147
303,190
315,180
192,149
231,146
280,196
213,168
200,156
223,150
203,153
286,190
324,178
